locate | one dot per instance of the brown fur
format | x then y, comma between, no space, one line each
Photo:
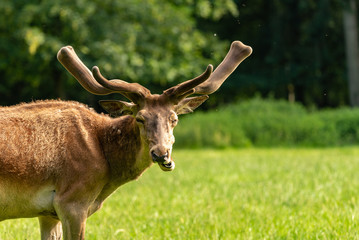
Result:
35,138
60,160
54,153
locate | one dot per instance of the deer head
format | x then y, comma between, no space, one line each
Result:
156,115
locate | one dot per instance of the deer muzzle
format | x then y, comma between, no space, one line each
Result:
163,159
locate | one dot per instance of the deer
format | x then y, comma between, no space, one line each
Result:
60,160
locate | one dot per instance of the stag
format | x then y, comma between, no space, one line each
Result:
59,160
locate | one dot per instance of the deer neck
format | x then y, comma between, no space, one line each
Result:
126,152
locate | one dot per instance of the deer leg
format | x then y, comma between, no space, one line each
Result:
73,218
50,228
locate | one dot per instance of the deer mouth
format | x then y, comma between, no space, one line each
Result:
167,166
165,161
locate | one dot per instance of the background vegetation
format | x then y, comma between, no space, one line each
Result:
299,56
151,42
299,46
268,123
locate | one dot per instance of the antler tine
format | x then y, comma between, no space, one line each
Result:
186,88
94,82
69,59
133,91
237,53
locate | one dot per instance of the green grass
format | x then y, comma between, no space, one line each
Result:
231,194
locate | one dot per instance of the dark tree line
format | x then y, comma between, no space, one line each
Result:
299,50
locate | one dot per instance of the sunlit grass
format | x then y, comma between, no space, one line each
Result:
231,194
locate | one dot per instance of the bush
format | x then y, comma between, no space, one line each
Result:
213,129
346,123
260,122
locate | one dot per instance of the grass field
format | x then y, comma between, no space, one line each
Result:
231,194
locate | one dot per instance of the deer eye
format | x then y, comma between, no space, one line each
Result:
174,121
140,120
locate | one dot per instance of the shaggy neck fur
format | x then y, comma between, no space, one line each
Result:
126,152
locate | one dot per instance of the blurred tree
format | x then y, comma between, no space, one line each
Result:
298,48
351,38
153,42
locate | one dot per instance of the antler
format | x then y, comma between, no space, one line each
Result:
102,86
69,59
133,91
207,82
182,90
236,54
204,84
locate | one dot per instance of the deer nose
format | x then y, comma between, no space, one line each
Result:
159,158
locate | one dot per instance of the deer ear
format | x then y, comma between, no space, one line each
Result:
187,105
118,108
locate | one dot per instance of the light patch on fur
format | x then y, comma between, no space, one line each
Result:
44,198
17,201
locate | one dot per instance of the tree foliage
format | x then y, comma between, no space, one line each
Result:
151,42
298,46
